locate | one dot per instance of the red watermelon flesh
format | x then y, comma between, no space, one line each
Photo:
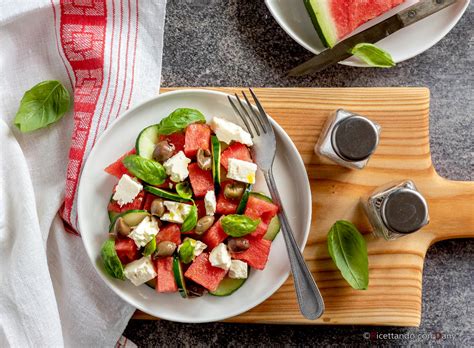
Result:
170,233
177,139
198,136
225,206
201,180
237,151
202,272
260,209
136,204
165,281
126,250
257,253
117,168
214,235
201,208
335,19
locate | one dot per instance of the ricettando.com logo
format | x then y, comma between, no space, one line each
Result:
436,336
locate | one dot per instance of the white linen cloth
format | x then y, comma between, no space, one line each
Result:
50,294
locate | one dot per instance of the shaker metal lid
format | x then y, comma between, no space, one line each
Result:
404,211
354,138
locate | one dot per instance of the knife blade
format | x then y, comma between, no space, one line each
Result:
410,15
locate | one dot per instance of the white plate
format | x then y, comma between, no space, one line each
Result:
402,45
94,193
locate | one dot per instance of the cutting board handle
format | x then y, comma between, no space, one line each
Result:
451,209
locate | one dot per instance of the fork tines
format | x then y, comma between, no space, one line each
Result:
259,120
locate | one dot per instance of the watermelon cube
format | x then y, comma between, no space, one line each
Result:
198,136
201,208
137,203
237,151
170,233
226,206
259,209
126,250
165,281
201,180
257,254
202,272
177,139
214,235
117,168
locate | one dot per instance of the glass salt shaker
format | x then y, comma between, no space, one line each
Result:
348,139
396,210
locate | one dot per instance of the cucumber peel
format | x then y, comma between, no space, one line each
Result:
244,200
216,162
166,194
146,141
179,277
228,286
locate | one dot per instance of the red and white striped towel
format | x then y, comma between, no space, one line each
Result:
108,54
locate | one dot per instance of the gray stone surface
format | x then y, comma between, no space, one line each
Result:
237,43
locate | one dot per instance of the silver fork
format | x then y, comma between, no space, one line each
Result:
258,125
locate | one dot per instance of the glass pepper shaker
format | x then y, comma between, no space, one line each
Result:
348,139
396,210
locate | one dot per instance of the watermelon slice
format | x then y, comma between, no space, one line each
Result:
170,233
198,136
165,281
225,206
257,253
237,151
335,19
117,168
126,250
259,209
214,235
177,139
202,272
201,180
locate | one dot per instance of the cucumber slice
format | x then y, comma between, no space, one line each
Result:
131,217
228,286
274,225
166,194
179,277
146,141
244,199
112,214
216,162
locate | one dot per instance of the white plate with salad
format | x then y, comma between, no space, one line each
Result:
175,215
294,18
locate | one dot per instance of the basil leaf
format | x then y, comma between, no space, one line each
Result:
145,169
373,55
113,265
238,225
179,119
42,105
150,247
183,189
348,250
190,221
186,250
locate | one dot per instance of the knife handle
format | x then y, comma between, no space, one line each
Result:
422,9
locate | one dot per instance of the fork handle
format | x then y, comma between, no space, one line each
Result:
309,298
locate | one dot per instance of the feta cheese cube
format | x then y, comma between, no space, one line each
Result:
238,269
177,212
241,170
126,191
144,232
210,203
199,247
140,271
177,167
220,257
227,132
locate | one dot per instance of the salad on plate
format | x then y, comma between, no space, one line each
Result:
183,214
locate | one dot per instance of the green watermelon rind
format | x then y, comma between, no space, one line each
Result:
322,21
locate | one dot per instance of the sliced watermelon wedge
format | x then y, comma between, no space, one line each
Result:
165,281
170,233
117,168
258,208
257,254
335,19
214,235
202,272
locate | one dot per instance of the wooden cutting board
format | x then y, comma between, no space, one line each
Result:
396,267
